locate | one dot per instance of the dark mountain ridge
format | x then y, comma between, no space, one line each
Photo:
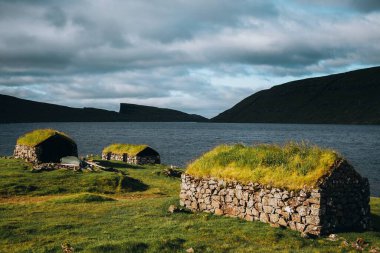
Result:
16,110
346,98
150,113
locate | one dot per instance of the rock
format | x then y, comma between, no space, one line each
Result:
274,218
67,248
302,210
173,209
169,172
333,237
313,220
190,250
304,235
268,209
219,211
282,222
300,227
264,217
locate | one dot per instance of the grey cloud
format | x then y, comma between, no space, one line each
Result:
105,52
56,16
359,5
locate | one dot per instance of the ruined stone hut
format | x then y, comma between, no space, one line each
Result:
45,146
305,188
131,153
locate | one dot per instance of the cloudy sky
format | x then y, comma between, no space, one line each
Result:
199,56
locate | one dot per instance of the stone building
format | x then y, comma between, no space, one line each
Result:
339,201
132,154
44,146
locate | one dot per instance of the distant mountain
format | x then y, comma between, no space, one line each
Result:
16,110
346,98
149,113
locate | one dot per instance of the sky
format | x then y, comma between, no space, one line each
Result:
198,56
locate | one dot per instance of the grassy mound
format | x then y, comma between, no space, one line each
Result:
119,148
292,166
35,137
83,198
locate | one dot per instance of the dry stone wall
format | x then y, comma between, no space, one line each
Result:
27,153
333,207
131,159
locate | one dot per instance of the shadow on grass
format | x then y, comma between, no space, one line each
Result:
117,164
375,219
130,247
169,245
132,184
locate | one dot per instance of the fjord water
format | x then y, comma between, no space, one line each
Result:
180,143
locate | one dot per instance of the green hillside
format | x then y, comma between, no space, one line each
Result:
346,98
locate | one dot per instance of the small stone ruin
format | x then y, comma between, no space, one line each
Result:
145,155
46,150
340,202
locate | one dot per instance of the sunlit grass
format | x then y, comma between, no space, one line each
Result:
17,178
292,166
119,148
138,221
37,136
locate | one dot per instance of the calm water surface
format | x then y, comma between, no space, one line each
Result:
180,143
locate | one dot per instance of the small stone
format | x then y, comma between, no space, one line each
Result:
173,209
264,217
219,211
249,217
274,218
314,220
302,210
300,227
282,222
333,237
190,250
268,209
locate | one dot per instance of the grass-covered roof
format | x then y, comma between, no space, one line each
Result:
292,166
37,136
120,148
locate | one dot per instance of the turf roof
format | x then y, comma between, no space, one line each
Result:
120,148
292,166
37,136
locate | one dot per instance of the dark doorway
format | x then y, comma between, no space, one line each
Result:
56,147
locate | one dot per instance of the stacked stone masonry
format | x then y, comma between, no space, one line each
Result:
131,159
340,203
27,153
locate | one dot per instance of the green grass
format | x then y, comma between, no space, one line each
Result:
291,166
139,222
37,136
17,178
82,198
119,148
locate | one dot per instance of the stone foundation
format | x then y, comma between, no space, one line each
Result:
27,153
138,160
340,203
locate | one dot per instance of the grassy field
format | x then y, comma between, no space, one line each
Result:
135,219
